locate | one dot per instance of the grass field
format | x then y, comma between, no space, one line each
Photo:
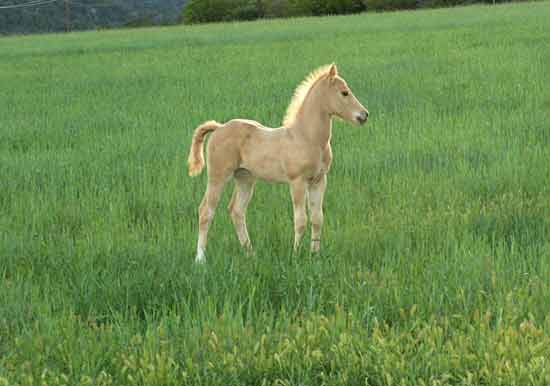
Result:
436,260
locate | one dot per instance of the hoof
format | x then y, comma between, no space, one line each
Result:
315,246
200,259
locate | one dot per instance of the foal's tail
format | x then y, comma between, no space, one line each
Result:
196,153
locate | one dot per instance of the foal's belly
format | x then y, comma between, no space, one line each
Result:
267,171
276,170
263,155
272,155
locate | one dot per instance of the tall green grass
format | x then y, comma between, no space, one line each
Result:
436,252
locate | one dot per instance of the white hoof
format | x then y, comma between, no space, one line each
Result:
315,246
200,259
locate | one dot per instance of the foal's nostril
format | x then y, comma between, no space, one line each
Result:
363,115
367,113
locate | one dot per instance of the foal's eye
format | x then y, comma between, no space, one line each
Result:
345,93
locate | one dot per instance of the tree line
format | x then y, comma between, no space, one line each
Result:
204,11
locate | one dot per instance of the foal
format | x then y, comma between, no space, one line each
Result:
298,153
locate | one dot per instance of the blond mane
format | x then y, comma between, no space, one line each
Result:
301,92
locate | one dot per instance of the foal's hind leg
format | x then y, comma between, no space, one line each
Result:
206,214
244,188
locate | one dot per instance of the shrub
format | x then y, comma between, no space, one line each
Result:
339,6
247,10
206,11
390,5
203,11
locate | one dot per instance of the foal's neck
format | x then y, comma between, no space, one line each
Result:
312,122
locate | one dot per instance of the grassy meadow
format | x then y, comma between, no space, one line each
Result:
436,247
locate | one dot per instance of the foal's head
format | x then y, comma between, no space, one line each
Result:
340,101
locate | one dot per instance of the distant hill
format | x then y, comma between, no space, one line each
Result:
35,16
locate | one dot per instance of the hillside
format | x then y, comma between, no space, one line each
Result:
50,16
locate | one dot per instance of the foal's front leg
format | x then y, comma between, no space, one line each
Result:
298,189
316,192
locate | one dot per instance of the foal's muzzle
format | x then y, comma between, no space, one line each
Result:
362,117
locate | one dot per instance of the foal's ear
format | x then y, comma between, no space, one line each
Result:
332,71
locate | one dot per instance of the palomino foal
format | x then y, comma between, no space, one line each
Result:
298,153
